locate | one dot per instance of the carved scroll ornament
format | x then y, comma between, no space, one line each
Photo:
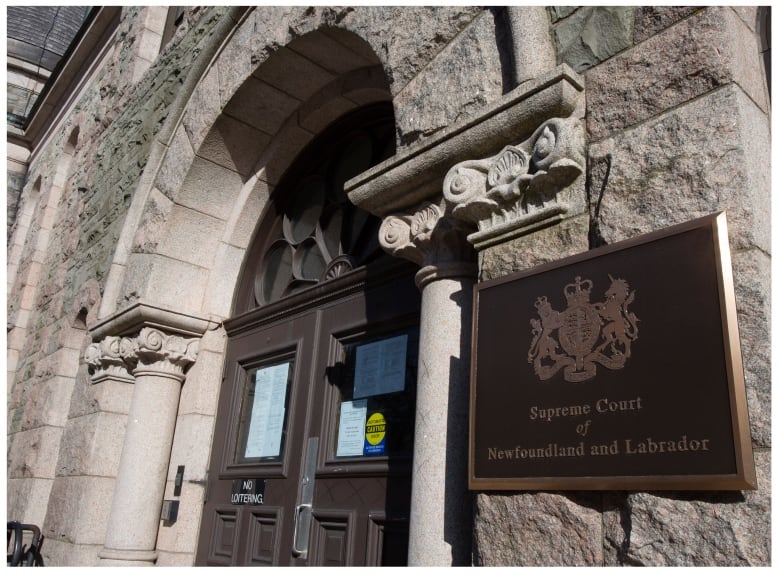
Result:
430,238
520,188
152,350
105,359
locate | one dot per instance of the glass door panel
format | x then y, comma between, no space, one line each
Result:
376,397
263,422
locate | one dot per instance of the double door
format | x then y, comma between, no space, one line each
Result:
311,459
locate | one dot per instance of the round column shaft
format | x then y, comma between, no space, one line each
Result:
158,363
441,508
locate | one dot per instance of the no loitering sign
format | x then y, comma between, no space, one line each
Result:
248,491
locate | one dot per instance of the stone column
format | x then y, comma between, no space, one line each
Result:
441,507
158,362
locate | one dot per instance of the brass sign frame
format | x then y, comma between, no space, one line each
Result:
526,455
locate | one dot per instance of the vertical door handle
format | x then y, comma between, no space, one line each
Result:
301,530
303,511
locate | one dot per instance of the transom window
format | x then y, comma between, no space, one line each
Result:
316,233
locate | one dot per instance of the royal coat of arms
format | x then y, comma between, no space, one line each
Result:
587,333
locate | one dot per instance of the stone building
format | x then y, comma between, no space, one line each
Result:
229,213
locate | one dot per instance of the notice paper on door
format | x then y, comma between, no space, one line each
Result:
380,367
352,428
267,422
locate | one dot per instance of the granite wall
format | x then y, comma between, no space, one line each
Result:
677,127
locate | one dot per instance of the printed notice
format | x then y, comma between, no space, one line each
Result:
267,423
352,427
380,367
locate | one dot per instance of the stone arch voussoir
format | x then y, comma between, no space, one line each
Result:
199,217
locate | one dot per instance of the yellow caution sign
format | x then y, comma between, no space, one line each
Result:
375,429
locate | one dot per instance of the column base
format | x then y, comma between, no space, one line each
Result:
137,557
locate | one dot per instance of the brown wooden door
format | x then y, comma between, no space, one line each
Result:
311,459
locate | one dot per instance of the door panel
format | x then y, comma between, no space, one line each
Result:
224,537
239,534
340,377
263,536
333,541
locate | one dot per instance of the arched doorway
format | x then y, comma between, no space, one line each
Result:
311,458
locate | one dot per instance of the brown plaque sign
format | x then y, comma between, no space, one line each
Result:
619,368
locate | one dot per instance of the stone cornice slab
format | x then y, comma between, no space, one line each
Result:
416,174
131,320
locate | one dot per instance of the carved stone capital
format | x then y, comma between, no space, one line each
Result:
105,360
145,339
522,187
432,239
165,354
151,351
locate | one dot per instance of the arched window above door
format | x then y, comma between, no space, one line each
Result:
312,233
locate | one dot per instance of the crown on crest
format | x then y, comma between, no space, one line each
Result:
579,291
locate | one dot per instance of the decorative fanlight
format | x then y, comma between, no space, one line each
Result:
320,235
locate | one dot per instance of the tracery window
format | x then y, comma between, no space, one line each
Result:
316,233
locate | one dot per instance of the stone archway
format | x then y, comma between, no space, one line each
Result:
184,242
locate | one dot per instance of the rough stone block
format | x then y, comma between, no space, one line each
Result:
292,73
92,445
693,161
249,214
191,446
549,244
33,453
201,389
78,509
407,38
108,396
326,107
234,145
154,18
752,288
282,151
213,340
235,61
182,536
63,362
153,222
560,12
191,236
165,282
271,30
178,160
650,20
467,72
222,282
205,106
329,53
166,559
366,86
27,500
538,529
691,528
209,188
62,554
261,105
687,60
47,403
593,34
748,14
